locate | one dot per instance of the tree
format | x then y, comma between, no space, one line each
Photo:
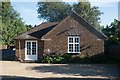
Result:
53,11
12,24
91,14
0,9
113,31
57,11
28,27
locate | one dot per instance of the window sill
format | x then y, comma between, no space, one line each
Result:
74,52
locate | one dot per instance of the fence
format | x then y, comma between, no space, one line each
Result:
113,50
7,54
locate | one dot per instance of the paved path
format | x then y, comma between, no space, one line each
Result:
12,70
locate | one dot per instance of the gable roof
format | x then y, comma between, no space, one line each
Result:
83,22
44,30
37,32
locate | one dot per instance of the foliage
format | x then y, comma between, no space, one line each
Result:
57,11
28,27
52,58
68,58
113,31
53,11
12,24
91,14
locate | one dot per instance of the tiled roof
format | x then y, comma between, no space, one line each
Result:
75,31
45,30
37,32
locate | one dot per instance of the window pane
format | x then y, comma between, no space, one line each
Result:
28,48
33,48
70,47
76,40
28,52
76,47
33,51
70,40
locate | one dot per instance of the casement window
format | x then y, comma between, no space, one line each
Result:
73,44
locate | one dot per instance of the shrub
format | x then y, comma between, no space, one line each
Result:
71,58
52,58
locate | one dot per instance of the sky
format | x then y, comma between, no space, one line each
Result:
28,11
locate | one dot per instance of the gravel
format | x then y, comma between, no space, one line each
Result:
14,70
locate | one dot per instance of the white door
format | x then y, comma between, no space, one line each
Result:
31,50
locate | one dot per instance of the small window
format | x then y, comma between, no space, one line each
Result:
74,44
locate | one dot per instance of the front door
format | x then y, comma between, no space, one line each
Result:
31,50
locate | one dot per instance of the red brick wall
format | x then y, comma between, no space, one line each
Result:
90,44
17,49
40,48
20,54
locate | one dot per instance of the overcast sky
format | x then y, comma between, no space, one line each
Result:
28,11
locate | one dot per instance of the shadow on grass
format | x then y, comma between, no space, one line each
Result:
27,78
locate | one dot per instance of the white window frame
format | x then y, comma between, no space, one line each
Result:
74,44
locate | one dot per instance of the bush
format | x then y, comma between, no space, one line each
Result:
71,58
68,58
52,59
